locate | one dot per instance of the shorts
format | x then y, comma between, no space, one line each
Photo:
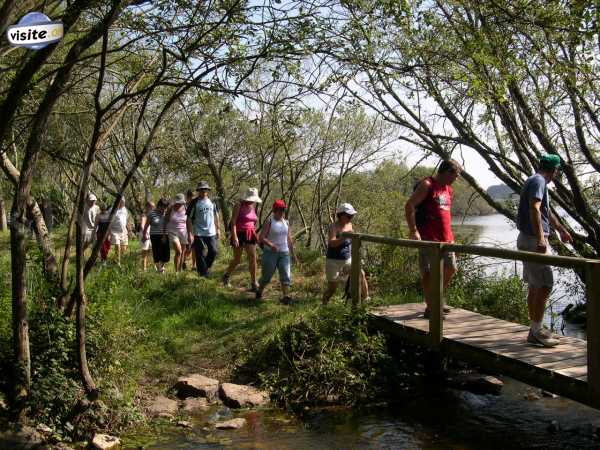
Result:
425,260
89,236
244,240
119,238
536,275
337,270
178,236
145,245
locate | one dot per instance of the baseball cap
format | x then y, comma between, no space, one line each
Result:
549,161
279,204
346,208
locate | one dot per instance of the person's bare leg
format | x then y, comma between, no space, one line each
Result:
178,254
425,283
539,299
329,291
251,252
364,286
237,258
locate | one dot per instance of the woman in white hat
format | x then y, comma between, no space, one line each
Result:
176,227
339,253
243,235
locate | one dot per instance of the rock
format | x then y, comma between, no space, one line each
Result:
197,385
549,394
184,424
532,396
105,442
232,424
553,427
193,405
163,404
165,415
22,437
239,396
484,384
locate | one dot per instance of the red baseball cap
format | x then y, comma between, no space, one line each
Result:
279,204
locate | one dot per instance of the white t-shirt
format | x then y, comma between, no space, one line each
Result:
278,234
89,216
119,223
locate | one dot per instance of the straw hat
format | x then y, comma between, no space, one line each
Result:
179,199
251,195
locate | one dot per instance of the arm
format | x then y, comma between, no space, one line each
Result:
265,232
145,225
333,239
291,245
565,236
417,197
234,216
536,223
217,225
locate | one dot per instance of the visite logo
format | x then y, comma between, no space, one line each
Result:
35,31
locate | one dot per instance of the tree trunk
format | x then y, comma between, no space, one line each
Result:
3,223
20,322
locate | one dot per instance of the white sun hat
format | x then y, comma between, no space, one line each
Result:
346,208
251,195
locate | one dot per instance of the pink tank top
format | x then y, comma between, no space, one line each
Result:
177,222
246,219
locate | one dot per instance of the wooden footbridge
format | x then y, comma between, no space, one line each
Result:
572,369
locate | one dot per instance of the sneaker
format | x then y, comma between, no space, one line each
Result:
446,309
225,281
542,338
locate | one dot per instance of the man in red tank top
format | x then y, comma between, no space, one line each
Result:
429,217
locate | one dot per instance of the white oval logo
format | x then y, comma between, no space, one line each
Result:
35,31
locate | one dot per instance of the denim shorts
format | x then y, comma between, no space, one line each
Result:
272,261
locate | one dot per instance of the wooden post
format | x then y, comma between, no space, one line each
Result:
355,277
592,284
436,294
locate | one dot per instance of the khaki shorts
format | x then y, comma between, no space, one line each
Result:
178,236
534,274
89,237
119,238
337,270
425,260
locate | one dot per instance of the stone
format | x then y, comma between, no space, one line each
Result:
532,396
194,405
484,384
232,424
240,396
105,442
549,394
165,415
197,385
163,404
184,424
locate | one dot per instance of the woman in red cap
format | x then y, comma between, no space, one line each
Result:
276,238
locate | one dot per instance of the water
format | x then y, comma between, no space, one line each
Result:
497,231
444,419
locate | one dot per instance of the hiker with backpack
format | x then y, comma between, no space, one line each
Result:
339,254
278,249
243,236
203,223
429,218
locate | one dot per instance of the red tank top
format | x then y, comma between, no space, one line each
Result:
437,208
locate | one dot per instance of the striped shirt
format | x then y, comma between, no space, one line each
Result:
157,221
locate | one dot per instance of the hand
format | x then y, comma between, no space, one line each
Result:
218,235
565,236
190,239
274,247
415,236
236,242
542,245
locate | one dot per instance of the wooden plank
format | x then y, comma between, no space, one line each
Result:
564,363
464,332
592,282
573,372
436,295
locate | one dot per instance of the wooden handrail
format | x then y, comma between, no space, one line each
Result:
436,251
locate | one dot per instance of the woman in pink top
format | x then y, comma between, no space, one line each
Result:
243,235
176,227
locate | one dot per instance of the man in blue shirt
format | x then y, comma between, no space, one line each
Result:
203,223
534,221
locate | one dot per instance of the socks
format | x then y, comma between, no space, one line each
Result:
536,326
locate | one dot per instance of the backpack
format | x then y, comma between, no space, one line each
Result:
420,212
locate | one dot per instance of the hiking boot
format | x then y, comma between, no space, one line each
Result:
225,281
542,338
253,288
258,294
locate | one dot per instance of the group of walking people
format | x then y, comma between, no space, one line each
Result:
192,225
428,215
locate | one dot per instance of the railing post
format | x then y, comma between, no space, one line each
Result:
436,294
592,285
355,271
